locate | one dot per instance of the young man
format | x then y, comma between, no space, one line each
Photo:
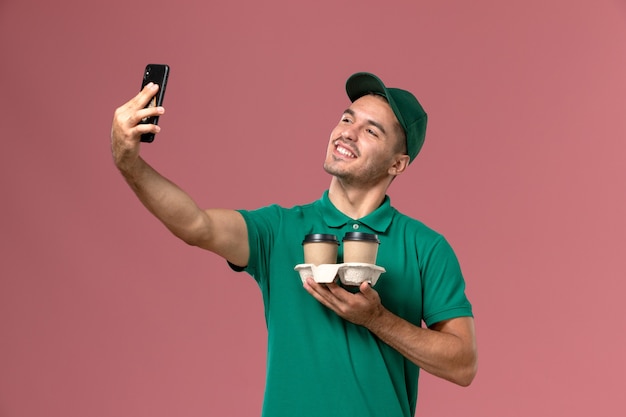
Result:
333,351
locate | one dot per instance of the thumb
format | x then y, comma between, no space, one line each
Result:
366,289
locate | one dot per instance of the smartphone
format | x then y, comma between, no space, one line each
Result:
158,74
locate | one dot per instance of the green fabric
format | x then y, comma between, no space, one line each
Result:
319,364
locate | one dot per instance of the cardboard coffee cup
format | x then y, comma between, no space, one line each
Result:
320,249
360,247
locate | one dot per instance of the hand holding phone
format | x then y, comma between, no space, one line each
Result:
157,74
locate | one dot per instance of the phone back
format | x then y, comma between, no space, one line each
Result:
158,74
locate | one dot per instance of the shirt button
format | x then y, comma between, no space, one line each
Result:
355,226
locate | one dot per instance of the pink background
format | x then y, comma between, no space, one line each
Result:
102,313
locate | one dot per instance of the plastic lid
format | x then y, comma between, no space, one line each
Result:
360,236
320,238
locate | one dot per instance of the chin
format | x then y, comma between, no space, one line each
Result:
328,163
329,168
337,172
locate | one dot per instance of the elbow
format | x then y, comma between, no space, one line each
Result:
192,235
187,236
193,239
467,373
189,239
466,379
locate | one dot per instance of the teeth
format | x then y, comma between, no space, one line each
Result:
345,152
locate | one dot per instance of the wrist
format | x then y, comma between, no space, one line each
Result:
131,168
379,319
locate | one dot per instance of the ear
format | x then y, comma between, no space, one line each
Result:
400,164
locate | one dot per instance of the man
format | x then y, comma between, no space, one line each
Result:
334,351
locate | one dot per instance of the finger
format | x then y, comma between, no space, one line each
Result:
314,287
320,292
365,288
367,291
146,94
144,104
141,129
142,114
138,102
335,297
340,293
134,110
126,125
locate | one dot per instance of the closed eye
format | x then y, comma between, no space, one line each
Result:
376,128
347,116
372,132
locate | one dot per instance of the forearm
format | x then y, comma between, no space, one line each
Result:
166,201
447,349
220,231
439,352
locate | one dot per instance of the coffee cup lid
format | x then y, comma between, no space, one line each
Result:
320,238
360,236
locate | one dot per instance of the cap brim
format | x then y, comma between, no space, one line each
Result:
363,83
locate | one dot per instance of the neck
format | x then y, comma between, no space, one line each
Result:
355,202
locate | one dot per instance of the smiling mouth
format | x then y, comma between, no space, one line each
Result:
343,150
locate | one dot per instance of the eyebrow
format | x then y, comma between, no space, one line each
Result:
369,121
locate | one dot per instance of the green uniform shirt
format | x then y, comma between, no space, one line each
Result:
319,364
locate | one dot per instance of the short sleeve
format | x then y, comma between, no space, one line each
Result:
261,224
443,285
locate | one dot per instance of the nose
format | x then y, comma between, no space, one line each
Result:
349,133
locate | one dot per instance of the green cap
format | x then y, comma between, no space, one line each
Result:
405,106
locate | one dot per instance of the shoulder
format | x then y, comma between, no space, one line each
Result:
415,226
427,242
277,212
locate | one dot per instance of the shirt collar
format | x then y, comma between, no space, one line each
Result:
378,220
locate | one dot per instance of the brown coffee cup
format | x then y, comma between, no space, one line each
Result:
320,249
360,247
